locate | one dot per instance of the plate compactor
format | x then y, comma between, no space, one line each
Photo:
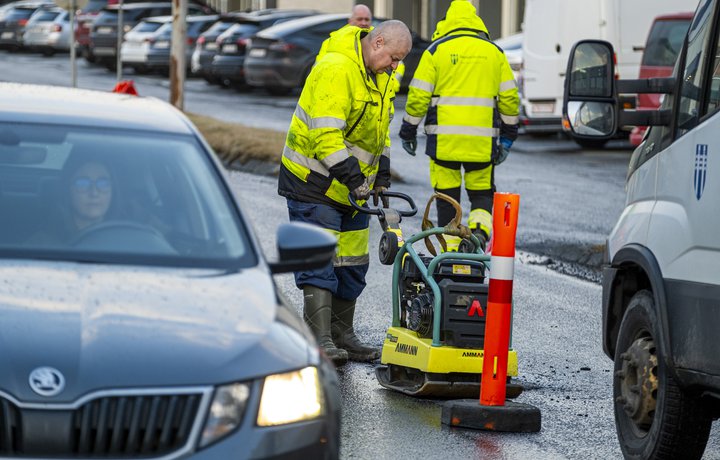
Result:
434,347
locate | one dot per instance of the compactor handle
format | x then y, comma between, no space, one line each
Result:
379,211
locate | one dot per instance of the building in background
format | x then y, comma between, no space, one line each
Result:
502,17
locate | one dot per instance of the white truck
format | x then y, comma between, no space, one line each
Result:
551,27
661,280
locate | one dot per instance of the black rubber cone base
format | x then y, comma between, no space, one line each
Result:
513,417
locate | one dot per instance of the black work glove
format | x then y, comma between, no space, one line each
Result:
362,191
408,134
378,192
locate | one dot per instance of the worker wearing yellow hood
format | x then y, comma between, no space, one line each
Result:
465,90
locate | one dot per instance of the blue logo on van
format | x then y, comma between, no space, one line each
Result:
701,158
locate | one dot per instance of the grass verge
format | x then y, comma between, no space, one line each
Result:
237,144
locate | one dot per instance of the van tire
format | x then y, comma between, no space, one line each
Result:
658,420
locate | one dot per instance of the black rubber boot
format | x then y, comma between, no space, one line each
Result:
317,313
467,246
343,333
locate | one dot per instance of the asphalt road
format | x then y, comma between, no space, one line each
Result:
570,199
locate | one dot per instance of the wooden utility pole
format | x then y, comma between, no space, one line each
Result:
177,53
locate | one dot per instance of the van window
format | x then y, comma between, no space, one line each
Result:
692,74
714,96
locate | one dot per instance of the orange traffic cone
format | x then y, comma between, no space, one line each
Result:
493,412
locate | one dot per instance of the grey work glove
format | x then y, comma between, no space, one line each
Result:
503,151
362,191
410,146
378,193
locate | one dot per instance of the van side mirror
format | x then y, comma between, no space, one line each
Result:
302,247
590,103
591,118
591,70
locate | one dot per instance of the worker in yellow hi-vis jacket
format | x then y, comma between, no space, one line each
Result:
465,90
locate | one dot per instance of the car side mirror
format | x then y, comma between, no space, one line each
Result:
590,101
303,247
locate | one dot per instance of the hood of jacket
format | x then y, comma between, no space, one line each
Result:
346,40
460,15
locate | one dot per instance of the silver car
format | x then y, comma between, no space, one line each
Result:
48,31
140,318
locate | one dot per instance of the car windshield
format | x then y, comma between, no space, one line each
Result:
19,13
664,43
148,26
44,16
220,27
243,30
115,196
94,6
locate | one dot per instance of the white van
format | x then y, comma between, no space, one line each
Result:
661,281
550,29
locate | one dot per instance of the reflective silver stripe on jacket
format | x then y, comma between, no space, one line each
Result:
466,130
361,154
459,100
386,152
319,122
335,158
506,85
510,119
412,120
349,261
423,85
302,160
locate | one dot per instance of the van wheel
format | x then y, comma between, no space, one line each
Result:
654,417
591,143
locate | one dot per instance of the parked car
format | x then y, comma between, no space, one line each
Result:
103,35
280,57
48,31
83,23
206,46
87,15
661,49
13,21
135,45
660,285
227,63
153,54
140,317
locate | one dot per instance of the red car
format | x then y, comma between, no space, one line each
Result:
661,50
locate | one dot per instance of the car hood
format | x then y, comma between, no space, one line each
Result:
105,327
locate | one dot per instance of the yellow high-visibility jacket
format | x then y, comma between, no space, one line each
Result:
339,133
397,73
461,81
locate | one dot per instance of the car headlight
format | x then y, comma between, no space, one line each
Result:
291,397
225,412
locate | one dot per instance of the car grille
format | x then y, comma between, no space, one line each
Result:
110,426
